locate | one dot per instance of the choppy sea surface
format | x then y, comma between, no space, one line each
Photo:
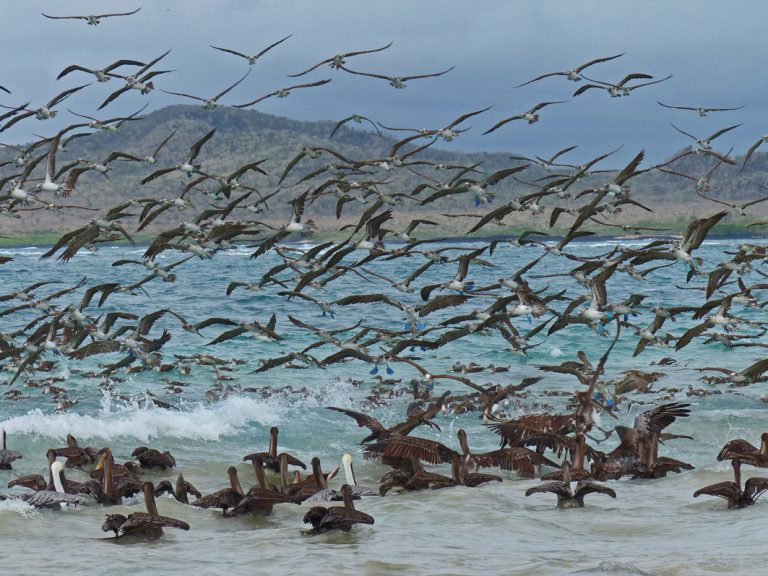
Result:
652,527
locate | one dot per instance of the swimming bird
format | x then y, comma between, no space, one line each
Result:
734,494
337,517
77,456
147,525
331,494
638,451
741,451
409,474
270,458
180,491
261,498
54,499
574,74
152,458
521,460
567,498
7,456
252,59
226,498
91,19
303,488
116,481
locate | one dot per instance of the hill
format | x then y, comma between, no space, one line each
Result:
243,136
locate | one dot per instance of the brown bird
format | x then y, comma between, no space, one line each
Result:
378,431
7,456
147,525
739,450
736,497
180,492
337,517
261,498
271,459
567,498
152,458
225,498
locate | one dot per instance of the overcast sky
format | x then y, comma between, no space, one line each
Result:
715,50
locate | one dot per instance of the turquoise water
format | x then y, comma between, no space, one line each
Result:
651,527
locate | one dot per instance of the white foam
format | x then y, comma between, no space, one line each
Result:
17,506
228,417
555,352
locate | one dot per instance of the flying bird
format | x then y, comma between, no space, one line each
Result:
397,82
701,110
252,59
91,19
43,113
573,74
209,103
706,143
140,80
620,88
338,61
282,92
530,115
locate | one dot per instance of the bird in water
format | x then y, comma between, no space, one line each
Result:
337,517
740,451
147,525
57,498
261,498
7,456
152,458
734,494
180,492
271,459
332,495
567,498
225,498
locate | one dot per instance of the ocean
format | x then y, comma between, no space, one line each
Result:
652,527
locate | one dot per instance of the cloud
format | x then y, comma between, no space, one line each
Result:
713,50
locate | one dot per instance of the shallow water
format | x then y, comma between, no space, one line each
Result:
650,528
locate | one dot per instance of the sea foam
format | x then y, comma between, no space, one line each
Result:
228,417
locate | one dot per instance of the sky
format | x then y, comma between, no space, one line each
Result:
714,50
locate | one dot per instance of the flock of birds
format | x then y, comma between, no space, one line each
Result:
68,321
